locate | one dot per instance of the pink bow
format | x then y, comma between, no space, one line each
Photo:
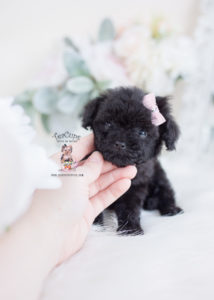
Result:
149,102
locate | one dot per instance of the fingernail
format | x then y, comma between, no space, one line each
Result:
134,171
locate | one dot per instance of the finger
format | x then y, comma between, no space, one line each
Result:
81,163
107,166
105,198
92,167
108,178
83,147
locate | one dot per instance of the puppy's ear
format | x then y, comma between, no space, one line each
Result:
169,131
90,111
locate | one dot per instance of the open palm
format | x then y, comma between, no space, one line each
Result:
95,186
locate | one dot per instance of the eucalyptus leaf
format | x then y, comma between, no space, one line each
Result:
68,103
45,100
85,98
68,41
94,94
103,85
59,122
45,119
106,30
75,64
29,109
26,96
79,85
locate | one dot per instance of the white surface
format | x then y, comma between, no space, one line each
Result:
173,260
29,29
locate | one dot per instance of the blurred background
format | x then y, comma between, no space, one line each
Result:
57,55
156,45
29,29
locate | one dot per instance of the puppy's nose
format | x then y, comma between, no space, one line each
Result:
120,145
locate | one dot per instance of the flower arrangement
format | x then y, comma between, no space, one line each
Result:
148,56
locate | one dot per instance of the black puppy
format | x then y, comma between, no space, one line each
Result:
125,135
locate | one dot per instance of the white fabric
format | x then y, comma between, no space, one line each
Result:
174,260
24,166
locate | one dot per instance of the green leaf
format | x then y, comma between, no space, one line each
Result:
26,96
45,100
29,109
106,30
103,85
59,122
75,64
94,94
68,41
45,119
79,85
68,103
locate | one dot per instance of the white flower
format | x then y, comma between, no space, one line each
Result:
155,64
103,64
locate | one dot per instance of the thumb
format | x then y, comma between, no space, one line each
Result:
93,166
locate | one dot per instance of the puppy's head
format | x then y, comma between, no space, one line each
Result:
123,129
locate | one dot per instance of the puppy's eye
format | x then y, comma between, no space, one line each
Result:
143,133
108,125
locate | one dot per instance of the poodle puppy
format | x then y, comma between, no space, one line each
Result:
126,134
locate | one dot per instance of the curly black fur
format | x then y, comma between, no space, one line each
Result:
125,136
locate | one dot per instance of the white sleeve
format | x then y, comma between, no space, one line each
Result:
24,166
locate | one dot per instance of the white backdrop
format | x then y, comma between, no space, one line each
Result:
29,29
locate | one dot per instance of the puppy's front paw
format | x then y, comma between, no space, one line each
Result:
130,230
171,211
98,220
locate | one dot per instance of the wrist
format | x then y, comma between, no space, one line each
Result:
46,228
31,251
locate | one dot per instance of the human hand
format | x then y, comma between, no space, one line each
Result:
58,221
74,206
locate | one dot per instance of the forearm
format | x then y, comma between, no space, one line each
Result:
28,252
